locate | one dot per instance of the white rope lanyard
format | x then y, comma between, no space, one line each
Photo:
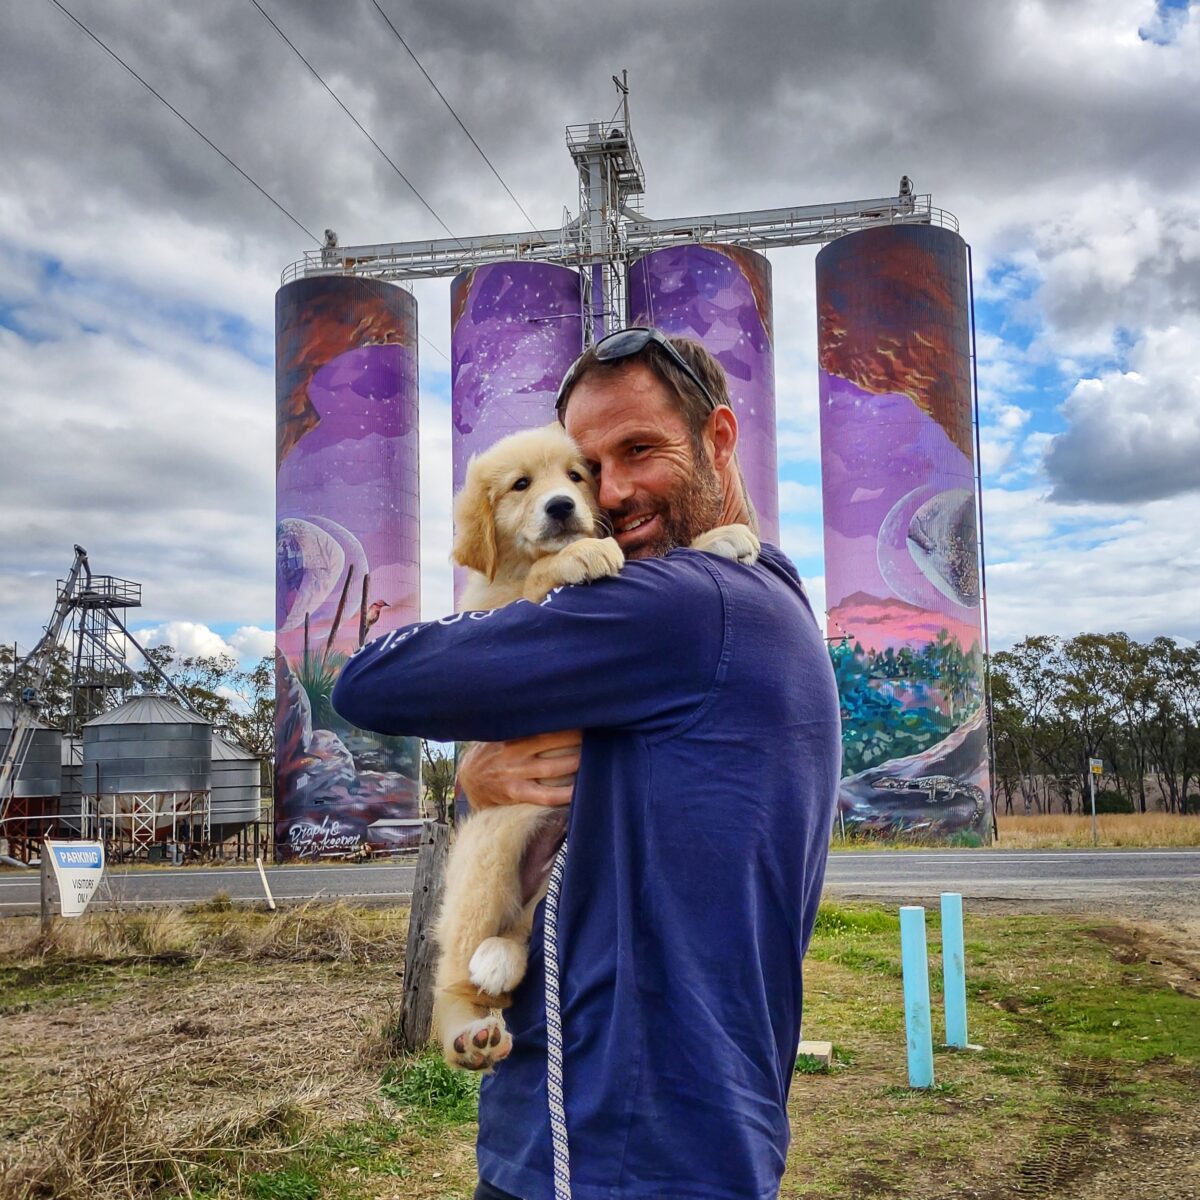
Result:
554,1035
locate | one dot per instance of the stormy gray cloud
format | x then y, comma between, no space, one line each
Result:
137,271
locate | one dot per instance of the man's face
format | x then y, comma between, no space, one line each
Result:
658,489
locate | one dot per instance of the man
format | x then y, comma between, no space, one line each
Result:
701,809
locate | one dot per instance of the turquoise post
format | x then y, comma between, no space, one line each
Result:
954,971
915,961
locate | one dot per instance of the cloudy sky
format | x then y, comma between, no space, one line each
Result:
138,270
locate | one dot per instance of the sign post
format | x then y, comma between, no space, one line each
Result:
1095,767
44,894
78,867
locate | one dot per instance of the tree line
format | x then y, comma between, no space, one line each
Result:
1058,703
240,703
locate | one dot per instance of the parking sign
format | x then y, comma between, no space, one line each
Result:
77,868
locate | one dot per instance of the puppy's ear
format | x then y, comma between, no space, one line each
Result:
475,526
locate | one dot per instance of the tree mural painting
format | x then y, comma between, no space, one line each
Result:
347,554
902,572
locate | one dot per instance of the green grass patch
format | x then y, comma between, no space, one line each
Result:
838,921
807,1064
433,1090
49,984
290,1183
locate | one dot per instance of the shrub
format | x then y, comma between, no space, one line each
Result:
1108,802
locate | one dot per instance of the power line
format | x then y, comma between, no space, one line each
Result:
453,113
212,145
362,129
433,347
163,100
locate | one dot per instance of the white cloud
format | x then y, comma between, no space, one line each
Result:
189,638
1133,435
1091,567
815,586
437,587
136,259
252,643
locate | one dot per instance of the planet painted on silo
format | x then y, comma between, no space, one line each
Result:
926,547
941,540
312,560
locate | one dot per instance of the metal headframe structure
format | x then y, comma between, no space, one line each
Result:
611,230
86,610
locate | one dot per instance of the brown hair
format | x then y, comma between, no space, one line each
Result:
691,403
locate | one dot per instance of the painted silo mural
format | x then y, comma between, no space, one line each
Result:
721,296
901,567
347,554
515,328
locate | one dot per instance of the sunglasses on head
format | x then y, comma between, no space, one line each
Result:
625,343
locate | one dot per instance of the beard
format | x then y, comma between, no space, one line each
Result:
691,509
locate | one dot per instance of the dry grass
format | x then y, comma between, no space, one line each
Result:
1115,829
310,932
115,1142
232,1072
141,1052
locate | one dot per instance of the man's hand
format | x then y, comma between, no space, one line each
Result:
533,770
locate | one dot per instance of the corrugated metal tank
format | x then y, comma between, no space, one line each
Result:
72,768
41,773
146,745
236,784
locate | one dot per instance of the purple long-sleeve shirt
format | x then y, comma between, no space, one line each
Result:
698,835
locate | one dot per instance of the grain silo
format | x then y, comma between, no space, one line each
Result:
70,806
236,788
147,768
33,809
902,579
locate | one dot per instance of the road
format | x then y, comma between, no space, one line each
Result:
1114,878
1134,879
190,885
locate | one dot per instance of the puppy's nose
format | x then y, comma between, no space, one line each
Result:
560,507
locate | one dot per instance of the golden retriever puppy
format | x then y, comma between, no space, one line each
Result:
526,522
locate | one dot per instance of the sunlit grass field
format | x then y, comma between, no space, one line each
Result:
1115,829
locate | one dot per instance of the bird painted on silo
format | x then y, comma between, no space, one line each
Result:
373,611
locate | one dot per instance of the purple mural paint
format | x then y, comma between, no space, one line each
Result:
515,328
347,554
721,296
901,564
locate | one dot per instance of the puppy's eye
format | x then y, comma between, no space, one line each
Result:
574,477
521,484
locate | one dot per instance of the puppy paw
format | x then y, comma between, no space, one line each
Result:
481,1045
580,562
591,558
498,965
730,541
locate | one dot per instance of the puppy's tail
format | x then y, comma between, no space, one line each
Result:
466,990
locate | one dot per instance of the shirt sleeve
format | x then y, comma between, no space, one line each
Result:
641,649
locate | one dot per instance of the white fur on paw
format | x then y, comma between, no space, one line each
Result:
498,965
480,1045
730,541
